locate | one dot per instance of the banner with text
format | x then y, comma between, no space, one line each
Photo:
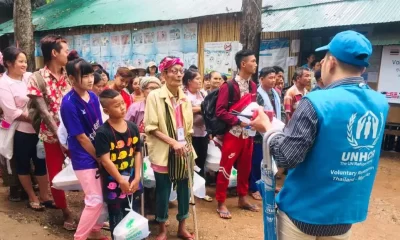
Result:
389,76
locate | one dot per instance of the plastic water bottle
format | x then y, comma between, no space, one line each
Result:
40,153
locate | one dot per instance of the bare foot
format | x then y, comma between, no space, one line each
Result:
162,236
95,235
244,204
183,233
223,211
163,232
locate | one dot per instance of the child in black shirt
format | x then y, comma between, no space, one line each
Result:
118,147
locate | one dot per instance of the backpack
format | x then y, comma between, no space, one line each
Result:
33,109
215,126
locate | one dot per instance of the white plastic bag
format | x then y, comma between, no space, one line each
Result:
66,180
104,215
199,186
132,227
149,180
7,143
40,152
233,178
213,157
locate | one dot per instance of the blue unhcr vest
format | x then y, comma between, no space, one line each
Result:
334,182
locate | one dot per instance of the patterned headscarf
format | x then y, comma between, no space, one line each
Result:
169,62
146,80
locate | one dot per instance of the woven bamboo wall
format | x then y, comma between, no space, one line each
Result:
217,29
291,35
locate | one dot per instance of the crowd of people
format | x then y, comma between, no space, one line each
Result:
70,108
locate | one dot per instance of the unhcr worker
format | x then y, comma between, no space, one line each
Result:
346,119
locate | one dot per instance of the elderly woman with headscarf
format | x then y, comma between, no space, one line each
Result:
168,122
135,112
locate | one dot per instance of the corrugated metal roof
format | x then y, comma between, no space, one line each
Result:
73,13
385,39
334,14
286,4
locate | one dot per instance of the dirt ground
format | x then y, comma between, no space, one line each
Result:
18,222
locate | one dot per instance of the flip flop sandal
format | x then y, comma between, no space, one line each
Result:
70,226
49,204
256,196
14,199
191,237
106,226
227,213
250,207
208,198
35,206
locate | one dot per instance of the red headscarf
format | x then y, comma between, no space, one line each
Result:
169,62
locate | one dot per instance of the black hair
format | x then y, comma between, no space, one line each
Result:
78,68
10,55
2,69
278,69
107,94
97,78
101,71
266,71
73,55
242,54
314,63
317,75
224,77
148,69
207,77
190,74
193,67
299,72
50,43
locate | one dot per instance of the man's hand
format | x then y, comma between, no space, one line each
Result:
134,186
261,123
124,185
64,150
180,148
243,124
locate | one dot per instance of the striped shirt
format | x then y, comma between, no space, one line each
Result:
290,149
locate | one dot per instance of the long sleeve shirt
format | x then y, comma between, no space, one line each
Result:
291,148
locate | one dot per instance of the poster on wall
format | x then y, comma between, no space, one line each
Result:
274,52
138,48
389,76
220,56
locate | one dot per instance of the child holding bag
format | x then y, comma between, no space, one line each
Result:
118,147
81,115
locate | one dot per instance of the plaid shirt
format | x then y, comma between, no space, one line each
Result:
290,149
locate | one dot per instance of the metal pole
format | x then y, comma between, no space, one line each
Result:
268,185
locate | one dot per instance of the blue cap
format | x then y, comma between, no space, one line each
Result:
350,47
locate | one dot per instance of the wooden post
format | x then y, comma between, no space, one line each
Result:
23,30
250,29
